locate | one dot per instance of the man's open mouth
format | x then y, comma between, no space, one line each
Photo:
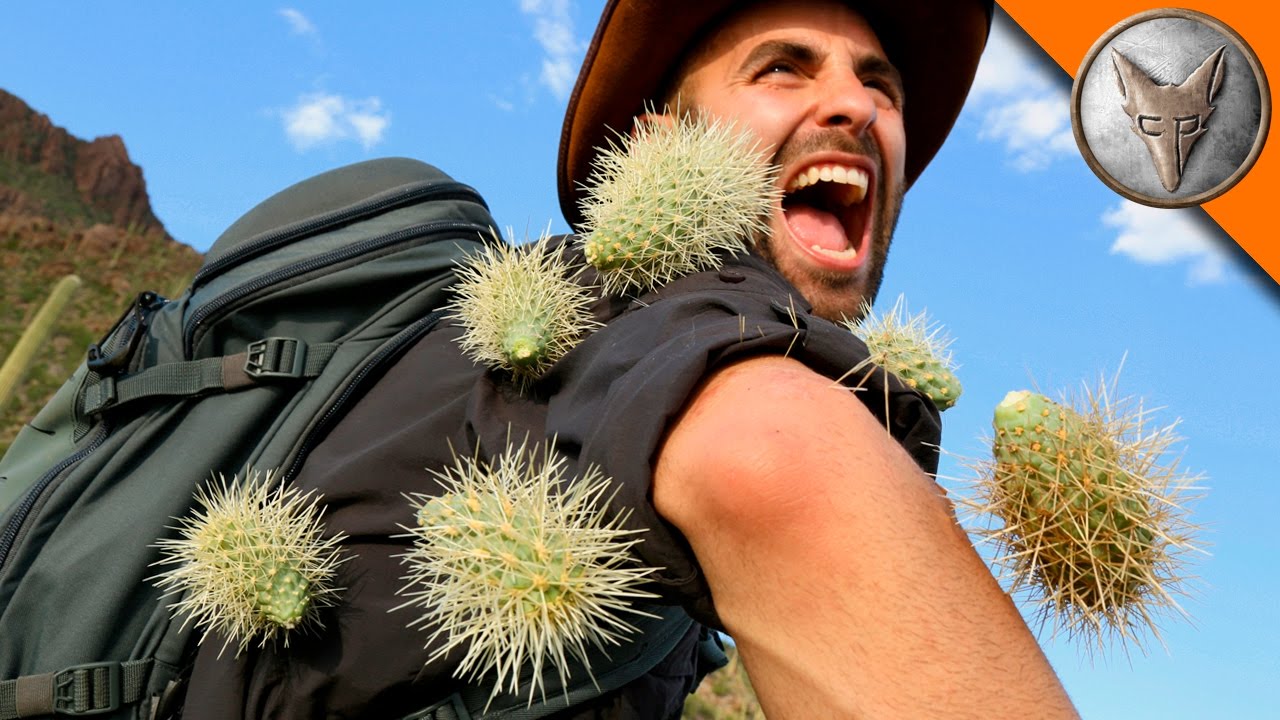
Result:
825,211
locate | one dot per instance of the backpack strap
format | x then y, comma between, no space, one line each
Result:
270,358
711,654
91,689
627,664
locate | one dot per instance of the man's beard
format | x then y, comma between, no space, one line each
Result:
884,218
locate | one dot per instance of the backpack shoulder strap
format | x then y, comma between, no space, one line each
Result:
658,637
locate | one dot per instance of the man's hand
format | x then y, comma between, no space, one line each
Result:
835,563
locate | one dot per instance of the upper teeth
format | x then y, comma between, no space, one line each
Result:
854,179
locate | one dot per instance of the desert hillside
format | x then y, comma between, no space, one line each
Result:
70,206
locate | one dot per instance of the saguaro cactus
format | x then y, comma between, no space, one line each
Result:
20,358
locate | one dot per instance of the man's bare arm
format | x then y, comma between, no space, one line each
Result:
836,564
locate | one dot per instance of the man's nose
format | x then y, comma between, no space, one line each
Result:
845,103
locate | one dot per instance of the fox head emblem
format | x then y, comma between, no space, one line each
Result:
1169,118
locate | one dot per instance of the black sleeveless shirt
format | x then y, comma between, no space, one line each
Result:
607,403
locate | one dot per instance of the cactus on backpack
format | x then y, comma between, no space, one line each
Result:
516,564
252,562
520,308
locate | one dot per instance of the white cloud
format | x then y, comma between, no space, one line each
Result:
1033,128
369,126
298,23
321,119
1157,236
559,76
553,30
1020,100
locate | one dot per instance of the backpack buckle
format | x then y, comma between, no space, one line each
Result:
99,396
97,685
276,357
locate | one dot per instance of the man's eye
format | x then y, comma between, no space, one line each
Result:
882,86
778,67
878,84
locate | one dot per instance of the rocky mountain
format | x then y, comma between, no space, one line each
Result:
97,178
71,206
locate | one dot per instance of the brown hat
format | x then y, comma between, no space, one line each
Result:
935,45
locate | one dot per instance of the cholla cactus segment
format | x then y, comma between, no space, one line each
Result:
911,347
517,565
663,201
251,562
520,309
1091,518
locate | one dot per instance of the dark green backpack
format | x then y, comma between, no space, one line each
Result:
298,307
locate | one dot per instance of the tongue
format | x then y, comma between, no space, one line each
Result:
813,226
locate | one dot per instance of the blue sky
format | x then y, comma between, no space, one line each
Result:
1042,275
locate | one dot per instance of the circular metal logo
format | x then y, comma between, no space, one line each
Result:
1170,108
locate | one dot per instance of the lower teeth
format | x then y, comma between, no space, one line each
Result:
847,254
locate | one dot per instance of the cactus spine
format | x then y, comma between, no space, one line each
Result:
665,200
518,565
911,347
1089,517
519,308
19,360
251,562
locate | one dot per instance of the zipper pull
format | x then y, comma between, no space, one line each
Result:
109,355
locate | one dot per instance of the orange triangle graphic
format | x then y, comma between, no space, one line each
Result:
1249,212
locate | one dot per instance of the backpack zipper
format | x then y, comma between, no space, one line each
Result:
220,303
429,190
391,349
14,529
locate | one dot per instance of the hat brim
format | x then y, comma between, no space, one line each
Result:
935,46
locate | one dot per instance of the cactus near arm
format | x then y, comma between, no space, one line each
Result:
911,347
20,358
1091,516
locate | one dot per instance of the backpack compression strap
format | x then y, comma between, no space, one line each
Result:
90,689
268,359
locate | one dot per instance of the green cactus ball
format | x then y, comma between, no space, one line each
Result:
252,562
517,564
1089,517
912,348
664,201
519,308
